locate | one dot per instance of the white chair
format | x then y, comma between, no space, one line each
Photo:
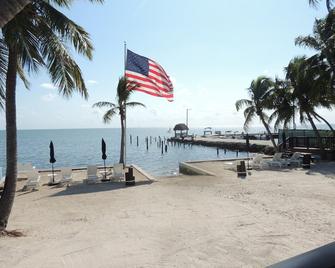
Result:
257,162
66,174
277,161
33,182
117,174
92,176
295,159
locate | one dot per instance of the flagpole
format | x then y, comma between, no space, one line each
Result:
125,109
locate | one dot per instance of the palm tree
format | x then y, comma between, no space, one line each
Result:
259,101
9,8
37,37
124,91
310,90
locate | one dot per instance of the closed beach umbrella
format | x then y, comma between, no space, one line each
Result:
103,151
52,159
284,140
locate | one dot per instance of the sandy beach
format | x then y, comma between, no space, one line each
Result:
184,221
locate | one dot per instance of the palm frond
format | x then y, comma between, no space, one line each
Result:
67,3
102,104
22,76
307,41
242,103
249,114
3,71
134,104
63,70
66,29
109,115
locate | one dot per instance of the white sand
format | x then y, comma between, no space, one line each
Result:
186,221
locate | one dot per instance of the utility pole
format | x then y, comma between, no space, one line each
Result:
187,109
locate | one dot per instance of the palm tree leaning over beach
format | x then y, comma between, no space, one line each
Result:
37,37
124,91
310,90
258,91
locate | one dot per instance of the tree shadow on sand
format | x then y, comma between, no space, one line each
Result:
326,169
84,188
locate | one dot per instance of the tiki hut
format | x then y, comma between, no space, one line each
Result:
180,130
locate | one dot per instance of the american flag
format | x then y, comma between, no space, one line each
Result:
149,76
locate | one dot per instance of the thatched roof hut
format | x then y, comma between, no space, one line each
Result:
182,128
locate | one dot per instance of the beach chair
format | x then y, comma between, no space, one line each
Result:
92,176
23,170
295,159
257,162
117,174
33,181
66,176
277,161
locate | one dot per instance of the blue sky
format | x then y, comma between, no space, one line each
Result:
211,50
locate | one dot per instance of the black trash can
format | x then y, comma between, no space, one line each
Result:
130,178
306,161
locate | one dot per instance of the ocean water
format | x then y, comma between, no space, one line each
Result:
80,147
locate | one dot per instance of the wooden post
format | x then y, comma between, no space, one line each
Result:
131,139
137,140
162,147
147,141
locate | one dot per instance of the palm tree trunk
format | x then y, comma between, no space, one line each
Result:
328,124
269,132
8,195
317,133
10,8
122,139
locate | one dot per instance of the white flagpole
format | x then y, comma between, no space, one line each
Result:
125,110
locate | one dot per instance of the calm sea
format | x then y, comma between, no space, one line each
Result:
79,147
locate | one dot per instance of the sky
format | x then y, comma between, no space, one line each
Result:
212,50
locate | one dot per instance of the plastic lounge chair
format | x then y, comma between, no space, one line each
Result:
33,182
257,162
295,159
117,174
277,161
92,176
66,174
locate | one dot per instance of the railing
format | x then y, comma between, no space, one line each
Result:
308,142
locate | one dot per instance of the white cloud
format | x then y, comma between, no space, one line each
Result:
48,97
48,86
92,82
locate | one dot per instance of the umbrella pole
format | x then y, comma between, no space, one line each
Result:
105,168
53,175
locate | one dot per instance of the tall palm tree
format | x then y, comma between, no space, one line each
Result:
124,91
310,90
258,91
37,37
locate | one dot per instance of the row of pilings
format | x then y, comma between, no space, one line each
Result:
228,145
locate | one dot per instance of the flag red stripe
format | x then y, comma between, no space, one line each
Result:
132,76
154,94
